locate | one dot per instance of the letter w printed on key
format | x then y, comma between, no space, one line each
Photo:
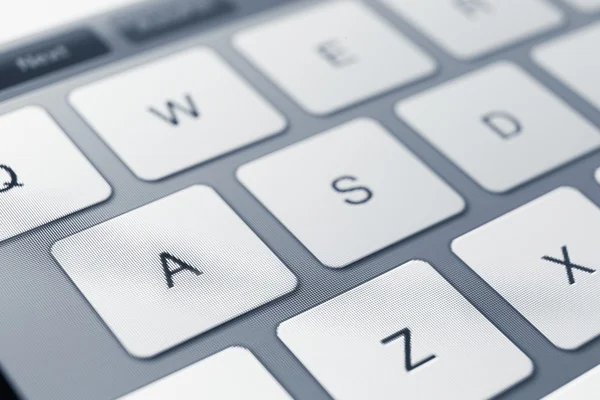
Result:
190,109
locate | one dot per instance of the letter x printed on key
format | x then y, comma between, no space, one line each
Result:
13,180
566,261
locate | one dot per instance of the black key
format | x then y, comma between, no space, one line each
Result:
6,392
154,20
41,58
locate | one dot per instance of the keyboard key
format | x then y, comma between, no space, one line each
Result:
543,258
333,55
470,29
587,386
195,109
173,269
157,19
50,55
406,334
43,176
350,192
506,129
6,389
581,76
232,374
585,5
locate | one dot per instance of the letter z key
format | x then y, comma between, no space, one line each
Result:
407,334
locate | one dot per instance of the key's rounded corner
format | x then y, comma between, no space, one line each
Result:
234,349
282,326
295,281
108,189
417,262
240,171
289,283
454,243
570,190
141,355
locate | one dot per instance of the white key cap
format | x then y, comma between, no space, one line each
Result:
334,55
350,192
572,59
586,387
506,129
472,28
174,113
543,259
233,374
172,269
585,5
43,176
356,344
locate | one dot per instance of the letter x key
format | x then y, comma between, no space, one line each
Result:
566,261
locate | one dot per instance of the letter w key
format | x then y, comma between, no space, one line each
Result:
170,116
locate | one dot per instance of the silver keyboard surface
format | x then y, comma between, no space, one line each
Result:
307,199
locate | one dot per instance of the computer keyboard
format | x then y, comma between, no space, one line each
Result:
349,199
